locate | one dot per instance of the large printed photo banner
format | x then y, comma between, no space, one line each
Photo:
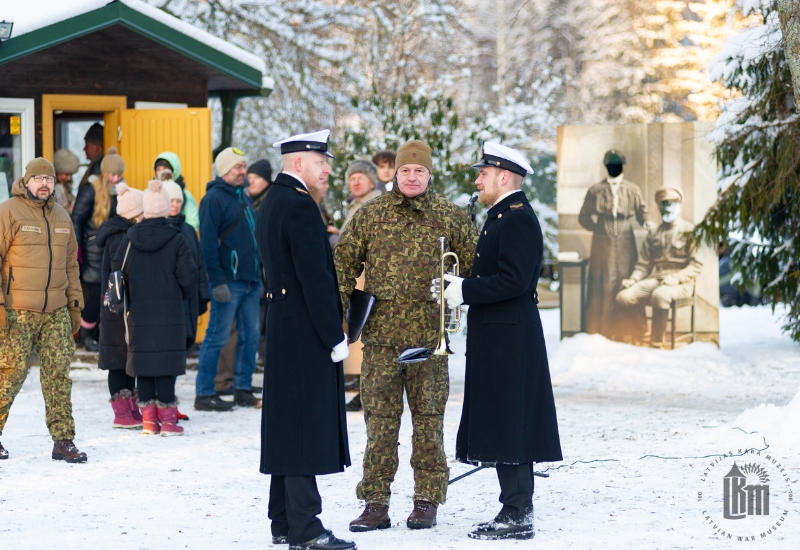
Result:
628,195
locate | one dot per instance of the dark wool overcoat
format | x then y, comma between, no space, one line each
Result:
509,415
197,303
303,426
113,349
160,274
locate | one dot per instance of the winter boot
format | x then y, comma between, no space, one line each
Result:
212,403
374,516
326,541
123,416
135,413
150,418
245,398
66,450
517,525
354,404
423,516
168,415
87,340
3,453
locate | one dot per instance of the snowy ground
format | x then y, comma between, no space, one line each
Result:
614,402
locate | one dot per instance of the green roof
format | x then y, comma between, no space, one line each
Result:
196,44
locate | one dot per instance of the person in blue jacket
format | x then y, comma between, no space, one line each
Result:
229,248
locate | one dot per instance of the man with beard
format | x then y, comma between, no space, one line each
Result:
509,415
40,301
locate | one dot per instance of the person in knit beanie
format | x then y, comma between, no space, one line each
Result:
113,355
130,203
66,164
362,178
156,201
175,197
160,273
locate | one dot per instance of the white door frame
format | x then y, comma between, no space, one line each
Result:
25,108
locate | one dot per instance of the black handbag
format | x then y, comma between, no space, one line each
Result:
116,296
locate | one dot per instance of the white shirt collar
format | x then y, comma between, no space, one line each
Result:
615,181
506,195
295,176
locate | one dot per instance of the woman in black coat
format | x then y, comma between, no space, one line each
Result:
160,274
196,304
95,204
113,348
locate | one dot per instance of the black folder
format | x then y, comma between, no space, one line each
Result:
361,304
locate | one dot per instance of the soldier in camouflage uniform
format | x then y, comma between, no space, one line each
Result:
395,240
40,301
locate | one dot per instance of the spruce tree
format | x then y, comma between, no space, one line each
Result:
758,150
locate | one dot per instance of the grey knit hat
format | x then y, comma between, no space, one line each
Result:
365,167
66,162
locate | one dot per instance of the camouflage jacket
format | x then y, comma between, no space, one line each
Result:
397,241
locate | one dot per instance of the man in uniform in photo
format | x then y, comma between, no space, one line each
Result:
394,240
509,417
303,426
667,265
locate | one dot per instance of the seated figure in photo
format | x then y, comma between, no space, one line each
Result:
667,265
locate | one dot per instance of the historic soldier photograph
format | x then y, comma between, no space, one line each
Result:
303,427
394,240
509,417
40,301
667,266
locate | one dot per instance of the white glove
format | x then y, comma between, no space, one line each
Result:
453,291
341,351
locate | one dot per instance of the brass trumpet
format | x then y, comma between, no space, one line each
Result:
449,319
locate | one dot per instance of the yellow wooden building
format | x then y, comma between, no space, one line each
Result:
146,75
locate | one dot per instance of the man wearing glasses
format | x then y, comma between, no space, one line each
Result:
40,301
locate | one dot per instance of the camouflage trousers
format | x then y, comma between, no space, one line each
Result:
427,386
51,333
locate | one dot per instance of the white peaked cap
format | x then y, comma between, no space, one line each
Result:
316,142
500,156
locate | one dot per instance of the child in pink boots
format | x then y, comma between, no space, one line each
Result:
160,273
113,349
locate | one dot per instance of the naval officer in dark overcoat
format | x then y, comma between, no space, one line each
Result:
509,415
303,425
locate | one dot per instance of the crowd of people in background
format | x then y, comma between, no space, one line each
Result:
128,275
115,230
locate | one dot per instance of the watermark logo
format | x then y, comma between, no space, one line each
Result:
746,495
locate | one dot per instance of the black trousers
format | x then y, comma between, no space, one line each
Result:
119,380
516,488
294,504
161,388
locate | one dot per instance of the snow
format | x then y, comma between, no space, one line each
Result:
30,16
617,403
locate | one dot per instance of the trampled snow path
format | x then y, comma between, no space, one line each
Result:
614,401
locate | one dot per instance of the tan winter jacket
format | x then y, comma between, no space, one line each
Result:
38,254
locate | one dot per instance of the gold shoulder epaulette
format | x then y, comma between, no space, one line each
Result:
303,191
516,205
